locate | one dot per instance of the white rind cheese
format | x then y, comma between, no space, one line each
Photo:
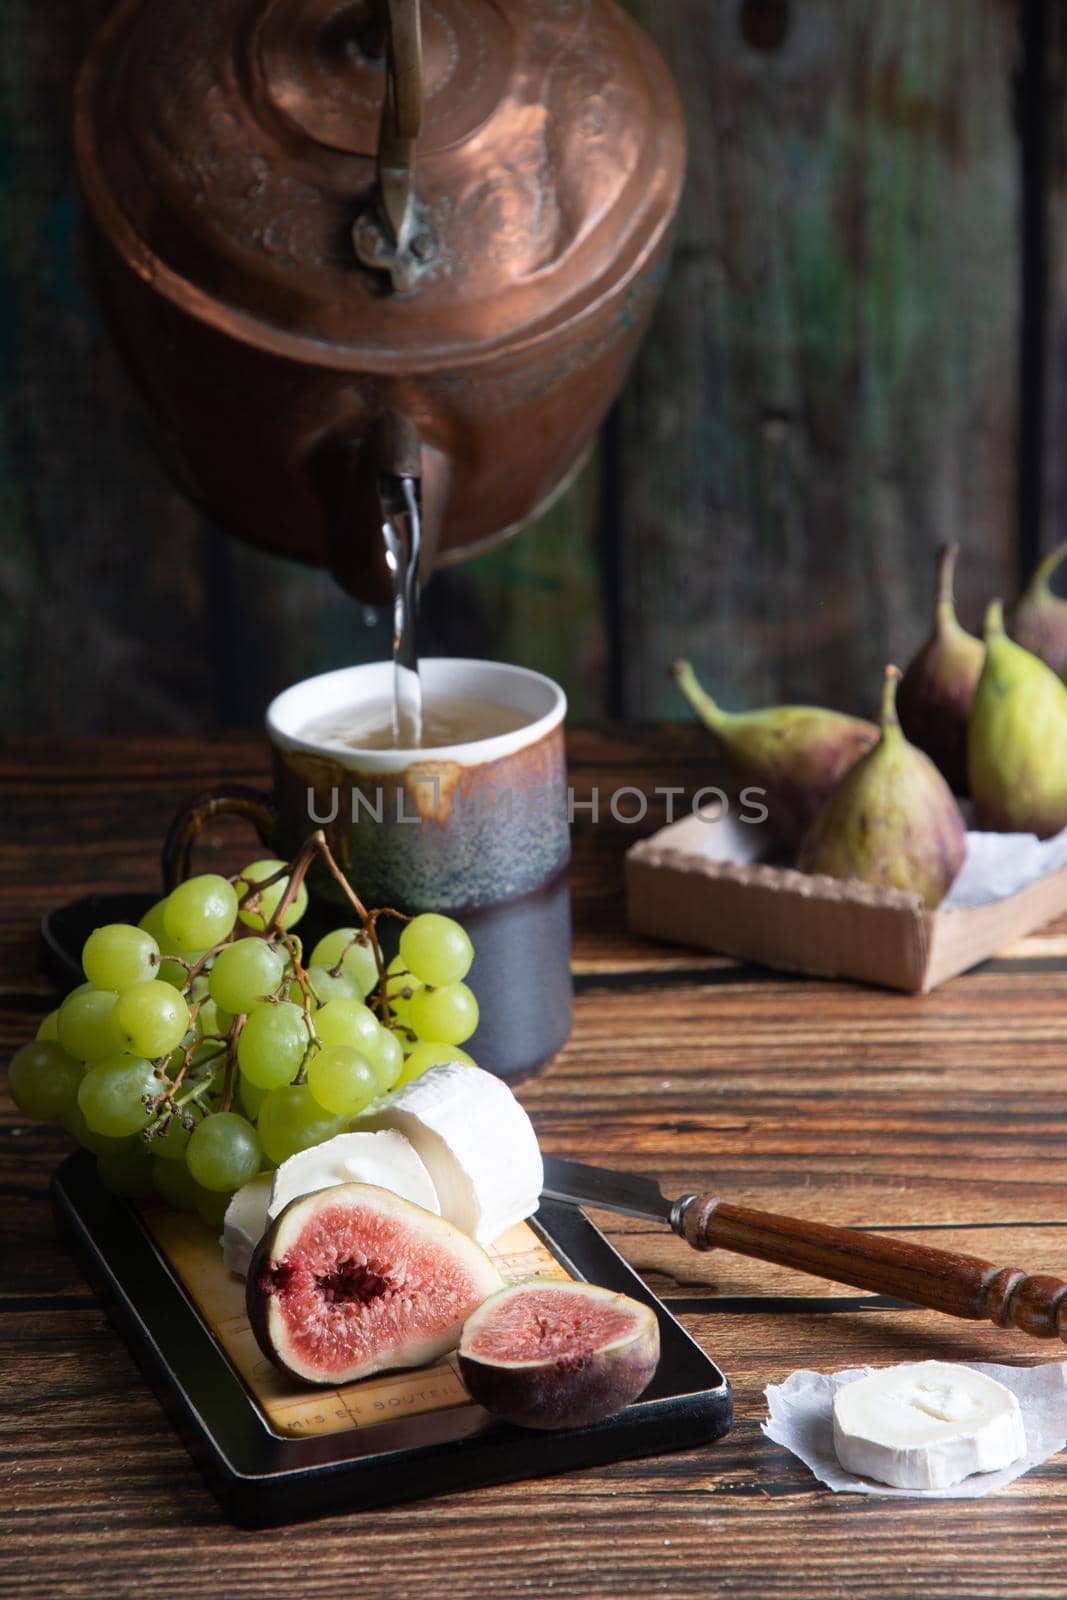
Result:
245,1222
476,1141
387,1160
926,1425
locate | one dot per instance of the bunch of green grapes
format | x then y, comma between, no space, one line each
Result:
201,1050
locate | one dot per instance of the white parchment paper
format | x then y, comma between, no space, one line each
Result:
801,1419
1000,864
996,865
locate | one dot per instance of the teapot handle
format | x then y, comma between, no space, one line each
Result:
392,234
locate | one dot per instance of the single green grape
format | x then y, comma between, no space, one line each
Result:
449,1013
291,1119
436,949
75,1124
170,971
211,1021
86,1024
325,987
44,1080
223,1152
353,950
243,972
200,912
172,1143
264,902
347,1022
151,1018
118,955
431,1053
400,988
112,1095
272,1045
249,1097
212,1206
174,1181
386,1056
342,1080
49,1028
127,1169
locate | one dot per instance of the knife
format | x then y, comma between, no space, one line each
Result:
959,1285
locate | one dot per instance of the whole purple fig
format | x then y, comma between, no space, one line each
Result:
1039,618
937,691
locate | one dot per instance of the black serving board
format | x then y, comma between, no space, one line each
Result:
263,1479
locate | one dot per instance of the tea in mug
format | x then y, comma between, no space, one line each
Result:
447,720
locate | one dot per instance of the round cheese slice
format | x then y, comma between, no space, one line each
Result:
926,1425
477,1142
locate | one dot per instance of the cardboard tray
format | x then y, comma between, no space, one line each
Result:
684,884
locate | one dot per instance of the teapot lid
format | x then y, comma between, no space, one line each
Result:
227,151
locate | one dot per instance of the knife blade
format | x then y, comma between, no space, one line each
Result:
629,1193
960,1285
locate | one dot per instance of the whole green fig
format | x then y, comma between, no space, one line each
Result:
892,821
1017,739
793,754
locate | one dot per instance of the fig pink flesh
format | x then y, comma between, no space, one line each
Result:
554,1355
356,1282
548,1326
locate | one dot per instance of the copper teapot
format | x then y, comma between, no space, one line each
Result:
315,217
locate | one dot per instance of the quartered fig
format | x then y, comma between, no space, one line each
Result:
353,1280
558,1355
794,755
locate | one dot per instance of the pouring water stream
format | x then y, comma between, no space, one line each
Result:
402,535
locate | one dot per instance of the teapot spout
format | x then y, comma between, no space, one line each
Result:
359,480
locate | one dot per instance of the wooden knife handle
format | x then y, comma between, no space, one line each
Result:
962,1286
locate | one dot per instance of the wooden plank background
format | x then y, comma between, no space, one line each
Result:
829,390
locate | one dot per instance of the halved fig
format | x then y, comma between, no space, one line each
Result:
352,1280
557,1355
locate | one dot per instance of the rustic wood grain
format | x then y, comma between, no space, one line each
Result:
828,391
941,1116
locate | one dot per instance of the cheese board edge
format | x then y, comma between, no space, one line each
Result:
262,1479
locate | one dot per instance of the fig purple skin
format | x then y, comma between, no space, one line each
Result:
353,1280
937,690
1039,619
558,1355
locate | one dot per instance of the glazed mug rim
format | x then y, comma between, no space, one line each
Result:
289,713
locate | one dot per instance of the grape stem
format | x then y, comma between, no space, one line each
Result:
168,1102
229,1082
307,995
316,846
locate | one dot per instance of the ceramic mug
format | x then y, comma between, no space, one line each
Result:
478,831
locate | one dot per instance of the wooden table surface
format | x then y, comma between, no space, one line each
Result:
946,1114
